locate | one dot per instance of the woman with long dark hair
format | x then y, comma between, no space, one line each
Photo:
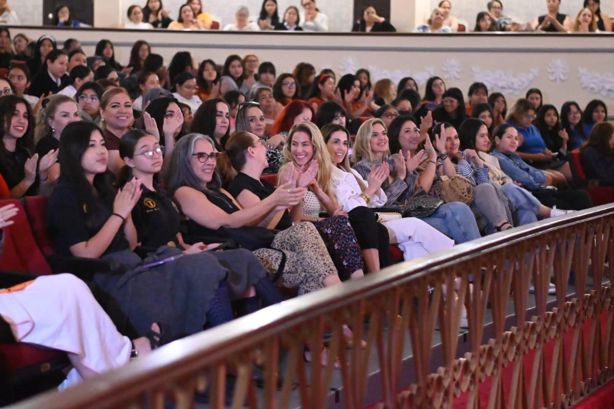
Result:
595,112
268,17
138,54
571,121
233,75
155,14
598,154
207,79
213,119
105,49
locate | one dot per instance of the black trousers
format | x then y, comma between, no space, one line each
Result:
564,199
370,234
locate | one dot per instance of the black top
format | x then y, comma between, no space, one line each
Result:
11,168
69,223
441,115
194,232
551,29
383,27
283,27
262,190
5,60
46,145
156,219
43,84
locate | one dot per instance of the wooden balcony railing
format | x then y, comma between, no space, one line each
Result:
552,358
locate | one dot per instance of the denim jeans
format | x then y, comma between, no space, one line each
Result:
456,221
525,206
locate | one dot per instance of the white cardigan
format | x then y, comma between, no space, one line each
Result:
347,190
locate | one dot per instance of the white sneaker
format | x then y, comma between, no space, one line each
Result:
554,212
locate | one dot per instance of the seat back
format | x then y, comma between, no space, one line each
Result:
36,211
21,252
5,192
576,166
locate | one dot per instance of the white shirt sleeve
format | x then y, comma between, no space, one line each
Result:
319,23
348,192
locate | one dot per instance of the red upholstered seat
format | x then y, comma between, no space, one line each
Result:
599,194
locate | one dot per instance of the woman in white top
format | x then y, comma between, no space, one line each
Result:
185,86
135,19
448,19
312,19
242,22
434,24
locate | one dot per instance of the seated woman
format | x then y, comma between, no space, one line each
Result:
452,108
186,20
483,22
348,94
598,154
585,22
595,112
553,21
88,97
384,91
448,19
285,90
157,222
296,112
62,17
250,118
164,119
25,173
305,74
192,181
386,113
488,202
168,287
185,90
322,90
264,96
106,50
146,81
19,77
233,76
244,154
331,113
371,22
52,77
554,135
498,103
213,118
291,21
603,19
155,14
433,95
117,118
414,237
434,24
204,18
473,134
484,113
242,21
571,122
135,19
269,16
207,79
532,146
455,219
60,111
506,141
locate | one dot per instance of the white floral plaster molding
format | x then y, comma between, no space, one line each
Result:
597,83
452,69
505,81
557,71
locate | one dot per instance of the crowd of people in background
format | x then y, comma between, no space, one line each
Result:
168,161
193,16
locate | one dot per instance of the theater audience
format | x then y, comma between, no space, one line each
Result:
313,19
553,21
186,20
155,14
242,21
135,19
269,16
291,21
435,23
603,19
370,21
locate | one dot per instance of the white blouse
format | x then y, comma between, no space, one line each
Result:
347,190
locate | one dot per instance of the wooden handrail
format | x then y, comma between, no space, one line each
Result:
406,301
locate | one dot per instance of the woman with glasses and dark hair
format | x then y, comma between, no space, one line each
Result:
285,90
88,97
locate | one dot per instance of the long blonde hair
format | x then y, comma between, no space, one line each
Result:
320,154
362,145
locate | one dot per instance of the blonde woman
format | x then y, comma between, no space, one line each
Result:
585,22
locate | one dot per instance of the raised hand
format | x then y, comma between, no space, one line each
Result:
399,165
29,169
429,148
440,143
288,196
378,176
150,125
472,155
413,161
305,177
127,197
48,161
564,135
426,122
171,125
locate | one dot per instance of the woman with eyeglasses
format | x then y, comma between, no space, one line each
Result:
185,90
211,212
25,173
285,90
386,113
88,96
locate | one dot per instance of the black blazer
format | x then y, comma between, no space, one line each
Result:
384,27
42,84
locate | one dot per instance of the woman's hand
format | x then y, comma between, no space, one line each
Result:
564,135
399,165
288,196
196,248
430,149
29,169
306,176
277,141
426,122
378,176
413,161
6,214
150,125
472,155
172,125
440,144
47,162
127,197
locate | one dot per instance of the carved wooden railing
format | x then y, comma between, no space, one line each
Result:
550,359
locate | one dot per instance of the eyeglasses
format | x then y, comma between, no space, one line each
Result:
158,150
6,91
390,115
204,157
90,98
288,84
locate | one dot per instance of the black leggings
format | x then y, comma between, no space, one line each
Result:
564,199
370,234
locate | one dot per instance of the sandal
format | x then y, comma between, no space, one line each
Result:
504,226
155,338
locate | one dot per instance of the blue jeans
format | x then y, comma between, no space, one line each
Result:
455,220
525,206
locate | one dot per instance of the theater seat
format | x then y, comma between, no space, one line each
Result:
598,194
271,179
22,365
5,192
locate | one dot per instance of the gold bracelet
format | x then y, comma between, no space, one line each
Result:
366,197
